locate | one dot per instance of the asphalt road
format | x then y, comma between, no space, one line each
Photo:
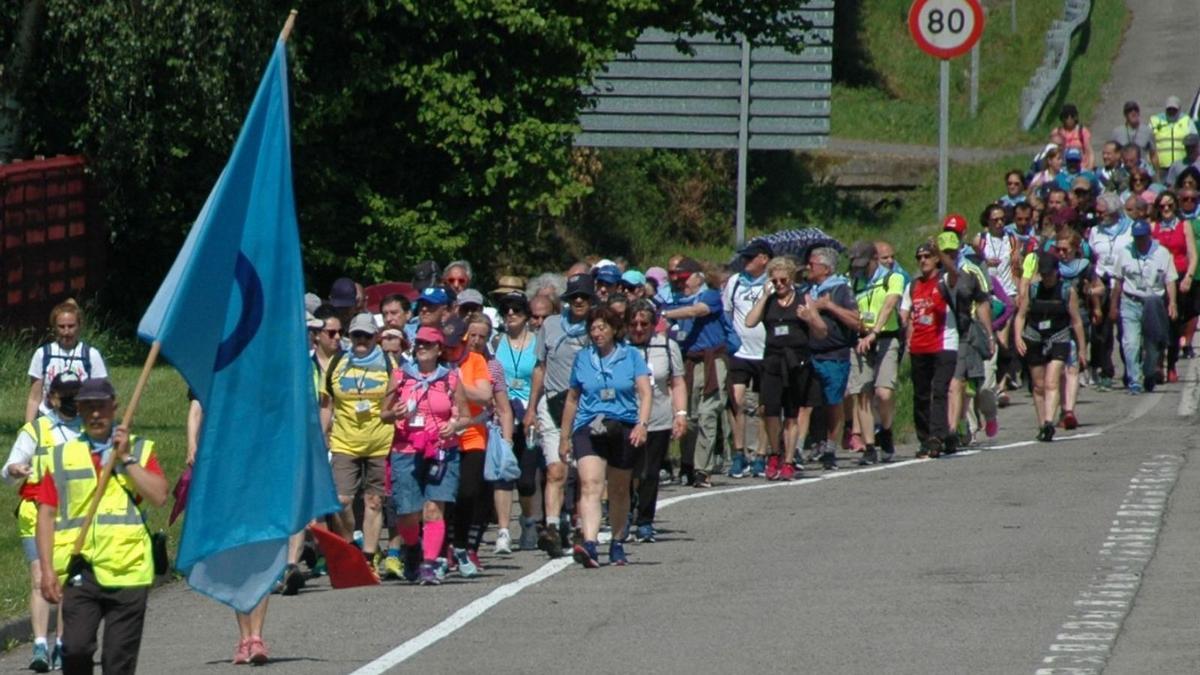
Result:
977,563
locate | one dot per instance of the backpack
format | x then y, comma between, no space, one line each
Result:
85,357
337,359
665,346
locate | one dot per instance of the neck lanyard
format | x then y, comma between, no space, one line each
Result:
514,355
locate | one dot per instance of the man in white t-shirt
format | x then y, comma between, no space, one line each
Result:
66,353
1144,273
740,294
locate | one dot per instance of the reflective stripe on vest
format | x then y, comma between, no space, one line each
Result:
117,544
1168,137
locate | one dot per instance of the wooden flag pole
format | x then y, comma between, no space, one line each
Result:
106,472
287,26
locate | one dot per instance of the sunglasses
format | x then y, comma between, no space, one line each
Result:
332,332
579,300
359,335
469,308
514,311
1082,192
427,308
1166,205
640,324
923,256
456,281
422,344
1063,250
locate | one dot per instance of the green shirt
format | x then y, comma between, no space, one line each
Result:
872,298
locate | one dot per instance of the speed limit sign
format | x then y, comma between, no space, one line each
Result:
945,28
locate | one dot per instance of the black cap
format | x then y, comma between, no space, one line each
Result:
580,284
861,253
454,329
688,265
425,274
65,383
1047,263
515,300
96,389
344,293
755,248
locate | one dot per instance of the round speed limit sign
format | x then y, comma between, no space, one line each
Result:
945,28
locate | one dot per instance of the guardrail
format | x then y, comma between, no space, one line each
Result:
1058,53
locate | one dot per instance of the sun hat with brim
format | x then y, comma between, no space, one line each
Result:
514,300
509,284
96,389
579,285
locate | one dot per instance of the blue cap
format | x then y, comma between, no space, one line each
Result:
1141,228
1074,154
609,274
434,295
633,278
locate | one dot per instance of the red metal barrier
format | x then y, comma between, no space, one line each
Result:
51,246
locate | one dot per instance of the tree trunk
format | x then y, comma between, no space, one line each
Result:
15,75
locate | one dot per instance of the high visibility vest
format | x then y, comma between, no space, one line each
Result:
118,543
41,430
1168,137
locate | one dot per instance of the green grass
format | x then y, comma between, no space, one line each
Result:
902,106
161,417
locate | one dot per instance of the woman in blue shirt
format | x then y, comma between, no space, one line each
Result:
607,410
516,351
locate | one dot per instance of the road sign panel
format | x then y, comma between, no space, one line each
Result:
945,28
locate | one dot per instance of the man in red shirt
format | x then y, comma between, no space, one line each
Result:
933,344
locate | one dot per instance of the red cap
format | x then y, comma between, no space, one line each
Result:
955,223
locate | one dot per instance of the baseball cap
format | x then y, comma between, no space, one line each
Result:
362,323
948,241
955,223
1172,102
1081,182
509,284
313,322
688,265
579,284
756,247
470,297
861,253
425,274
430,334
453,331
1141,229
343,294
605,262
1047,263
433,295
311,302
609,274
1074,155
633,279
96,389
1132,105
65,383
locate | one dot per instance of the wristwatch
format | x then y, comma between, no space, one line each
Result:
129,460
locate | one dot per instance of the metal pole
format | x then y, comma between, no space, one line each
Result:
743,143
1013,13
974,80
943,136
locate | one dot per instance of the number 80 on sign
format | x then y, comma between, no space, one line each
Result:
945,28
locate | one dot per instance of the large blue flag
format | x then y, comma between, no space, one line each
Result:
230,317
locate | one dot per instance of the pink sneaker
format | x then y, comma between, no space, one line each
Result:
991,427
773,467
788,472
258,651
856,443
241,655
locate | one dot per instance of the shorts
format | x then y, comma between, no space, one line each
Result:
833,374
352,473
971,354
411,486
613,447
878,368
746,371
785,392
1189,305
548,432
1036,355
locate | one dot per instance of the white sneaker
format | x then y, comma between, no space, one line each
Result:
503,542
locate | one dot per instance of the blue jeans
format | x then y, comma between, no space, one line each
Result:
1138,365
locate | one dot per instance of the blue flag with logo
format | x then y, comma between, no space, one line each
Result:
230,317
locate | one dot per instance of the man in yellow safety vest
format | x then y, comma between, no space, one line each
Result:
1170,129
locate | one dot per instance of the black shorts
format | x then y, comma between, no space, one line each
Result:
785,391
747,372
1035,355
613,447
1189,306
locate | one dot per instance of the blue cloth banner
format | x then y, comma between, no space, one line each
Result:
230,318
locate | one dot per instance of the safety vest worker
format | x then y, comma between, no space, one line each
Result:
1170,128
111,580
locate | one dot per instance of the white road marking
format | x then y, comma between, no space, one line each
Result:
1086,638
1189,401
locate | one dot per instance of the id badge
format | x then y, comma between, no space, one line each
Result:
868,317
517,383
607,394
1109,261
417,422
925,320
783,330
362,409
1044,325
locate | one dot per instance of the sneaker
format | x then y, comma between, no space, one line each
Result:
1149,384
441,569
258,651
1172,376
392,568
56,657
428,574
40,663
738,467
451,559
773,466
700,480
665,477
293,580
869,457
616,554
883,440
856,443
922,452
829,460
1134,391
473,556
529,535
1069,421
466,568
951,444
503,542
645,534
787,473
1047,433
549,542
934,446
241,655
1002,399
758,467
585,554
991,428
412,563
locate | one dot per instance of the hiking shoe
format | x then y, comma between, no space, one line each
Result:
466,568
293,580
788,472
1069,421
585,554
56,656
412,563
869,457
473,556
829,460
758,467
392,568
503,542
1047,433
856,443
616,554
428,574
40,663
241,655
773,466
883,440
259,654
991,428
934,447
950,446
700,480
549,542
529,535
645,534
738,467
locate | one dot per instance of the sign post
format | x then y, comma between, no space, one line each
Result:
945,29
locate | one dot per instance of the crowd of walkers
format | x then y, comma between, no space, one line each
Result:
763,367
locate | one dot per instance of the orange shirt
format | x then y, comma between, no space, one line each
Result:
471,371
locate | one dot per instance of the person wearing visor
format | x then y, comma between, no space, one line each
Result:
356,383
1144,275
22,470
110,580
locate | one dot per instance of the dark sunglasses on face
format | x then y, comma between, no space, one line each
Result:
422,344
357,335
922,256
1081,192
640,324
456,281
332,332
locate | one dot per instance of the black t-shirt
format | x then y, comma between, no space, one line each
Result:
785,330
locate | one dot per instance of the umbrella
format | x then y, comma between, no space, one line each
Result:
795,243
181,495
347,566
